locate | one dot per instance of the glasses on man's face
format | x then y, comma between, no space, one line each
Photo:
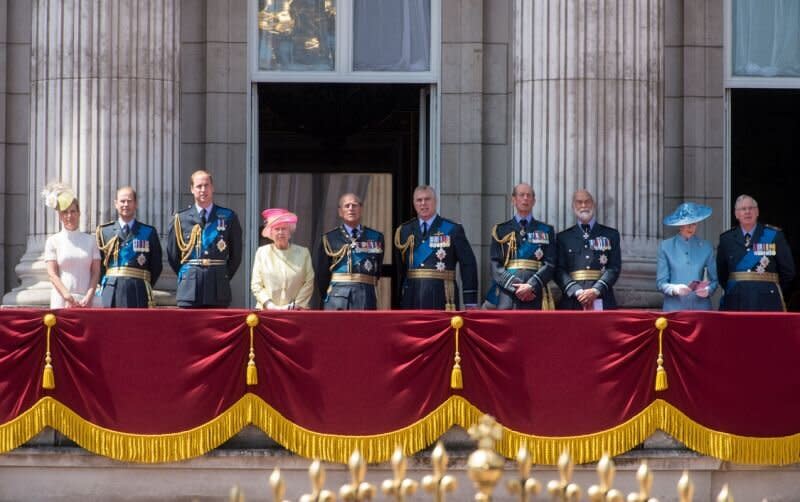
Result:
746,208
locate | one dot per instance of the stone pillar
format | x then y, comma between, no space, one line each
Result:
104,113
589,113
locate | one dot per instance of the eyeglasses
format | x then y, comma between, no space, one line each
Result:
747,208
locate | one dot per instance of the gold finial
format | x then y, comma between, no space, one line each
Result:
603,492
318,494
399,487
524,486
563,490
439,483
685,488
278,485
358,489
252,320
456,322
49,320
485,466
645,478
725,494
236,494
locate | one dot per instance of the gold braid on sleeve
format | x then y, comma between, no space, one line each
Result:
408,245
336,256
510,239
186,247
107,248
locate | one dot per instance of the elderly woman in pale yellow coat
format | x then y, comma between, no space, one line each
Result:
283,278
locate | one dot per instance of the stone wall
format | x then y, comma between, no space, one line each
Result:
15,57
214,106
694,167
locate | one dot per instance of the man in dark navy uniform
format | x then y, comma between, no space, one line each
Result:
130,253
589,260
348,262
754,262
430,247
204,247
523,256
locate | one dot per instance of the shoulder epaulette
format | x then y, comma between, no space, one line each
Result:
730,230
773,227
107,223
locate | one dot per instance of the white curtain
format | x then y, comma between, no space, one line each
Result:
766,38
392,35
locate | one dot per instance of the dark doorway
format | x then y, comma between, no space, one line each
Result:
317,141
765,128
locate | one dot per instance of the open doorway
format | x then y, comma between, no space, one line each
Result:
317,141
765,127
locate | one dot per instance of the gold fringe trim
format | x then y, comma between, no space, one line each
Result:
251,409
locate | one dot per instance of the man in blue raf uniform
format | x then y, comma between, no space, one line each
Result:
130,253
523,256
204,247
349,260
589,260
754,262
430,247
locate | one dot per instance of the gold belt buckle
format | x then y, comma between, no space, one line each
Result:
204,262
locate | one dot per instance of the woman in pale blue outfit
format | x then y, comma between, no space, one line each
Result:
687,271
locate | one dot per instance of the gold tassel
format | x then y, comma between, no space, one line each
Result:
661,373
456,379
252,372
48,377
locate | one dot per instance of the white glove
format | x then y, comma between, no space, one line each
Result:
272,306
680,290
702,292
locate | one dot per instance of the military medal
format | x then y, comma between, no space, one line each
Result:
762,265
221,245
221,226
538,254
603,259
141,260
440,266
441,254
368,265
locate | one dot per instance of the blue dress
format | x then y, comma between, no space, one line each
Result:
681,261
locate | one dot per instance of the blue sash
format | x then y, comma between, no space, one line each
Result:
126,254
750,260
424,250
357,256
208,236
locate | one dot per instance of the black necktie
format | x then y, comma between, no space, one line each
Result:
585,228
203,217
747,240
424,230
523,225
125,231
354,232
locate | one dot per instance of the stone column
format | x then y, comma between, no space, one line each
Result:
589,113
104,113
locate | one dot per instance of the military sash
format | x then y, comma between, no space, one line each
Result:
440,239
359,251
751,258
208,235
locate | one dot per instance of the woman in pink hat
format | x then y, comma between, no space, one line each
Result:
283,278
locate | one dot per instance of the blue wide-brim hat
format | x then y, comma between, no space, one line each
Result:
687,213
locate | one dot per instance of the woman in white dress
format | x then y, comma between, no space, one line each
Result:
72,257
283,278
